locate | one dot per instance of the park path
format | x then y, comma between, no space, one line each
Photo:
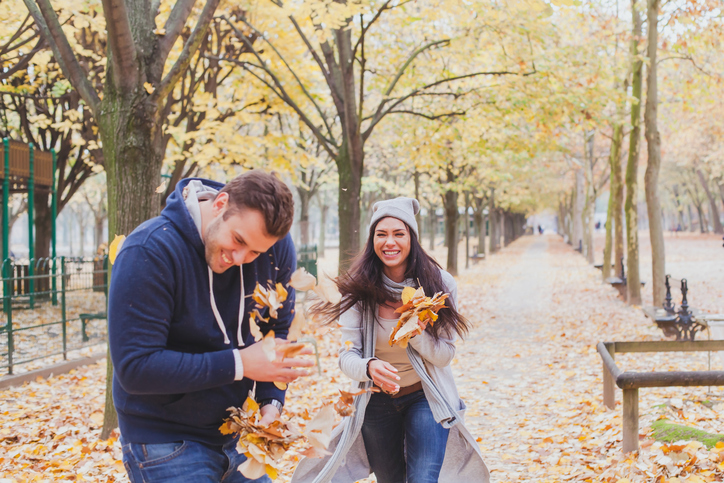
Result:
528,372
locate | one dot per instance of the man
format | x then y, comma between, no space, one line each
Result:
179,326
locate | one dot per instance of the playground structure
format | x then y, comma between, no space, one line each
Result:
25,170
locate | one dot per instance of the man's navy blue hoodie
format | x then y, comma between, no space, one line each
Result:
174,375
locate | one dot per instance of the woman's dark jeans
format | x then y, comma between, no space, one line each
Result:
399,426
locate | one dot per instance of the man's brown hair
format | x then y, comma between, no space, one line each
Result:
266,193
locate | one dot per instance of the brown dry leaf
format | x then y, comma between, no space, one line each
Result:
162,187
271,298
302,280
319,430
289,350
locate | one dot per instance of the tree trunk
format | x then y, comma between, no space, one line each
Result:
691,219
451,225
633,281
590,204
304,198
651,178
323,210
433,227
608,247
132,148
713,209
350,188
578,206
466,223
493,224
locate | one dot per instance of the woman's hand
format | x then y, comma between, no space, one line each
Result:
384,375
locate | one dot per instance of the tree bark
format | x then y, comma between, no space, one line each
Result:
304,199
323,210
633,281
651,178
713,209
451,225
590,203
433,227
493,223
578,208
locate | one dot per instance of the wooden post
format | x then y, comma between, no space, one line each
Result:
609,385
630,420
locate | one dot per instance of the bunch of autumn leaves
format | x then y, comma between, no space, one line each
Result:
264,446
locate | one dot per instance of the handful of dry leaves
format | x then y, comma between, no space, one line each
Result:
416,307
264,446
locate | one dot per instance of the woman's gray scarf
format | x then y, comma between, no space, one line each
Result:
442,410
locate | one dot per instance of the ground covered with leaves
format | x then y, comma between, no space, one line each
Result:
528,371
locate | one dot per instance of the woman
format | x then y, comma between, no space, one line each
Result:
412,430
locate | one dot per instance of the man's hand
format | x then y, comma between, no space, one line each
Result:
258,367
384,375
269,414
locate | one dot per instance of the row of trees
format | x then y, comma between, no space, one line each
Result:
490,106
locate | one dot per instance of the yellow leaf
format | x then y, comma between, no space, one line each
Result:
115,247
161,188
149,87
283,387
250,405
272,472
407,294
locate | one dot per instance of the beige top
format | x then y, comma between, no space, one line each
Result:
395,355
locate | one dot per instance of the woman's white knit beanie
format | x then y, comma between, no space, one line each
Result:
401,208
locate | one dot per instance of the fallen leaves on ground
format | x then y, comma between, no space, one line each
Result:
528,372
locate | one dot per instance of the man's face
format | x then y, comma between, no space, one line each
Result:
237,240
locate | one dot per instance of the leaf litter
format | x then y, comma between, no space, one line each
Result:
530,376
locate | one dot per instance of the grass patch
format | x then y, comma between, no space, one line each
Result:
668,432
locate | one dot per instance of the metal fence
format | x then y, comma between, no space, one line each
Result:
51,306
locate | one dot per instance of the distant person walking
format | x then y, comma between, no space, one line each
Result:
411,431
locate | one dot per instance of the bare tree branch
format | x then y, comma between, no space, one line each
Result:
382,113
23,63
174,26
286,64
190,48
334,91
47,21
278,89
122,46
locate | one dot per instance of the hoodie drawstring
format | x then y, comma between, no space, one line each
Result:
216,310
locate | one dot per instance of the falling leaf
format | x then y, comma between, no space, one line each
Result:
327,290
149,87
268,345
319,430
298,324
271,298
115,247
302,280
253,327
162,187
289,350
281,385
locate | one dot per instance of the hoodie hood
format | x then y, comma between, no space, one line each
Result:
183,208
178,213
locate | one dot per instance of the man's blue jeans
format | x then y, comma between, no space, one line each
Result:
184,461
395,426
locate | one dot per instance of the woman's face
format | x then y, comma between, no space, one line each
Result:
392,243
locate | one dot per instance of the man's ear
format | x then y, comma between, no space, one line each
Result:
220,203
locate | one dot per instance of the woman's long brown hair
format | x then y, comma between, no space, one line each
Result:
363,284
